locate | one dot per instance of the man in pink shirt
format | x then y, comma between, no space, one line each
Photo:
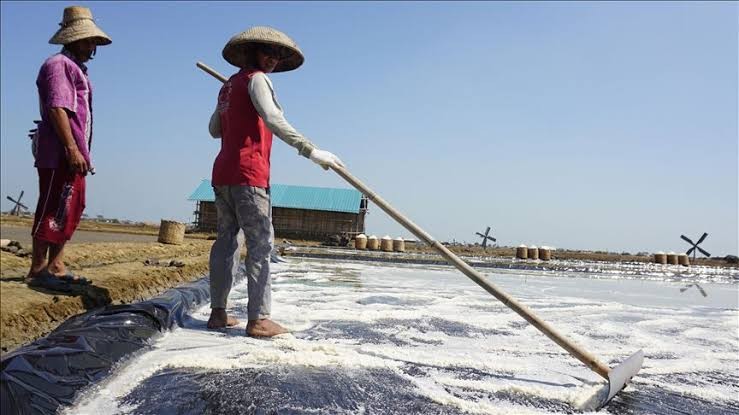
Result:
61,146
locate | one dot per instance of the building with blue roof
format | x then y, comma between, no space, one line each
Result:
297,211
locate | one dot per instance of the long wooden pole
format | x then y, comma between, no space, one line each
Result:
578,352
211,71
588,359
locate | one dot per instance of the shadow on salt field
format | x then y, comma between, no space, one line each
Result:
383,331
330,277
300,390
647,399
390,300
284,390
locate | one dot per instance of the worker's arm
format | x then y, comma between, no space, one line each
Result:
263,97
60,120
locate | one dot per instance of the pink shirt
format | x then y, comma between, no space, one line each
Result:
63,83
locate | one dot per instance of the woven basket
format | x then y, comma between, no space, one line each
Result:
386,244
372,243
545,254
521,252
360,241
399,244
533,252
171,232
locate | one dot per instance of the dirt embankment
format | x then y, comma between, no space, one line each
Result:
118,275
98,226
510,252
87,225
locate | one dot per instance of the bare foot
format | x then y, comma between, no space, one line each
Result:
219,319
264,328
35,270
58,271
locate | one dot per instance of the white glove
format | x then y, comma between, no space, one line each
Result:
325,159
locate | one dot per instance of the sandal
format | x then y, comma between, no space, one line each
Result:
45,279
74,279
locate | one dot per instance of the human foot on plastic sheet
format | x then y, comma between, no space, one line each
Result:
264,328
52,282
220,319
60,271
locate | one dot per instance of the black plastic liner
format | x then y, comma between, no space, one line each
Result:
41,377
47,374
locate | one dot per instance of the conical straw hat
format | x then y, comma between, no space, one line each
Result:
236,49
77,24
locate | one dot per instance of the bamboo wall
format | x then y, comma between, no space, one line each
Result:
206,218
315,224
294,223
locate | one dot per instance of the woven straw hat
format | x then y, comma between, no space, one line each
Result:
77,24
237,47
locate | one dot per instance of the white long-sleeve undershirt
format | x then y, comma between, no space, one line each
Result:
263,97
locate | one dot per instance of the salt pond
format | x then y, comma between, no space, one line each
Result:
384,339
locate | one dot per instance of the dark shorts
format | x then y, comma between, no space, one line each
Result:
60,205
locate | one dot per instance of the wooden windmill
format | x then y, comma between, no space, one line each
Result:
16,210
695,246
486,238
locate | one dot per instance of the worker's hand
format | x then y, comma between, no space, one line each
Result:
325,159
76,161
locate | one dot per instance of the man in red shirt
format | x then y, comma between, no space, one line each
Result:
245,118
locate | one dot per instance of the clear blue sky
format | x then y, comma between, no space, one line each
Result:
575,125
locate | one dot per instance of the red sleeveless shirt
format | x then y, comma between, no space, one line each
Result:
246,142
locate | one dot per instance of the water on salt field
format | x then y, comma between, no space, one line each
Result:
369,338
